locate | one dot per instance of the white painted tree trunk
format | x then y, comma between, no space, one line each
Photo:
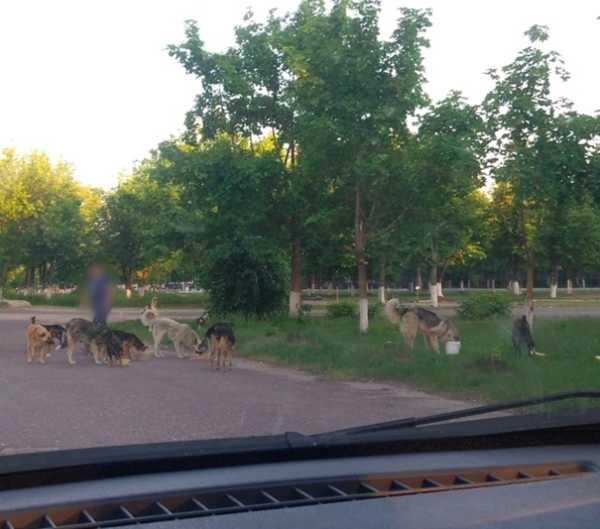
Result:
128,293
440,292
382,295
141,291
569,286
553,290
363,314
493,284
583,282
433,292
462,284
516,288
294,304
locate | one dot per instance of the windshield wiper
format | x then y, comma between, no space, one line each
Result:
411,422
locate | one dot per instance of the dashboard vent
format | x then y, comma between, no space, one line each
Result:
207,502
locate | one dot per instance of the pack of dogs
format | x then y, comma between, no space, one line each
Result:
110,346
437,329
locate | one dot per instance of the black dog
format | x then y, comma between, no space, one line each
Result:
521,336
131,344
220,330
107,339
218,341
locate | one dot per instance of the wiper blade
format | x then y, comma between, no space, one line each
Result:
411,422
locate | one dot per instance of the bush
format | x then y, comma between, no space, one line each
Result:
483,306
341,310
245,276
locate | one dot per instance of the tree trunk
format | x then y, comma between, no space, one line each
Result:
419,279
128,282
433,277
296,281
554,282
530,270
361,263
569,286
440,292
382,280
515,287
433,287
462,284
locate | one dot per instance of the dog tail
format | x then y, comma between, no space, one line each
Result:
33,320
394,311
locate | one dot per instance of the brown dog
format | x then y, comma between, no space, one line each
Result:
39,342
411,320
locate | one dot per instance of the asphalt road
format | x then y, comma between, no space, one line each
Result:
54,406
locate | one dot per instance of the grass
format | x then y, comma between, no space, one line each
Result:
73,299
486,369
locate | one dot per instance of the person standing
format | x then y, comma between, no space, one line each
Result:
99,293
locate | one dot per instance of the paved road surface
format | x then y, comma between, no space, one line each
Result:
52,406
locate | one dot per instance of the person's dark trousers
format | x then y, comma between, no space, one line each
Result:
100,315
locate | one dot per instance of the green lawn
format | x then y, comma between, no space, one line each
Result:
486,369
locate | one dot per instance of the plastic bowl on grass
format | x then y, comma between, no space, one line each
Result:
452,348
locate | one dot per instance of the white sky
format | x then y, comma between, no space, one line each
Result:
90,81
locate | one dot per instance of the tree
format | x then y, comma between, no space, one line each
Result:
246,97
521,115
41,218
136,223
353,93
448,152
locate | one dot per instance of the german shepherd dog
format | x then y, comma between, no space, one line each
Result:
98,339
132,346
39,342
184,338
219,340
411,320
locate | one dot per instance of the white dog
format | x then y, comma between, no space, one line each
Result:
182,336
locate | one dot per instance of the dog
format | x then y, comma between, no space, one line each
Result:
521,336
202,319
39,342
132,346
411,320
184,338
82,332
58,333
106,346
219,341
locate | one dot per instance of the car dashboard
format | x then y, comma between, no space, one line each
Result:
551,486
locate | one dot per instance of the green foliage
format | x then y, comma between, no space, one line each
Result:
483,306
341,310
246,277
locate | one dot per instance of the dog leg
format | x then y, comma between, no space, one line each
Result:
70,350
158,338
28,354
433,343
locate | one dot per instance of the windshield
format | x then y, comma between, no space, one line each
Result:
303,216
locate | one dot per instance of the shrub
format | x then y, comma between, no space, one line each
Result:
245,276
341,310
482,306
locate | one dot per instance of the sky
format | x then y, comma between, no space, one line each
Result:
90,82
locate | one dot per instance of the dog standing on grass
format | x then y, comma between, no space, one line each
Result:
411,320
521,336
39,342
